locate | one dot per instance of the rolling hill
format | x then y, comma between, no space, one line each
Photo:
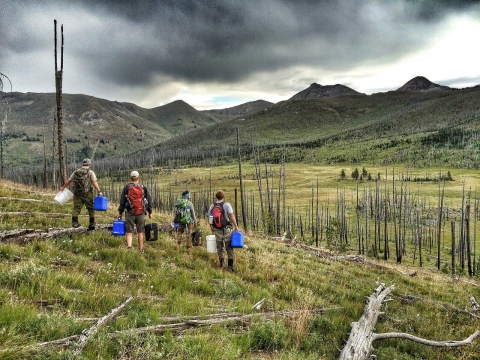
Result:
418,123
114,128
412,126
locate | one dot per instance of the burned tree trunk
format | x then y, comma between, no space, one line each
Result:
58,98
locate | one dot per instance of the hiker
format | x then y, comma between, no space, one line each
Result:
84,180
185,218
221,220
136,200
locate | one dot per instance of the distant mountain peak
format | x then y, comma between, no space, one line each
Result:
317,91
421,83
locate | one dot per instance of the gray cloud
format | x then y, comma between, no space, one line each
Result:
128,43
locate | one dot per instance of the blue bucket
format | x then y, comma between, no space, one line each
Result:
237,239
100,203
118,227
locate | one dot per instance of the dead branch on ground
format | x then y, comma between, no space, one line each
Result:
86,334
359,344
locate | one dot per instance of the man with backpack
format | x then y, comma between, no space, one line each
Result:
185,218
84,180
136,200
221,219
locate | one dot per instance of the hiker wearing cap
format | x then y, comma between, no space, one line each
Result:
221,219
136,200
84,180
184,219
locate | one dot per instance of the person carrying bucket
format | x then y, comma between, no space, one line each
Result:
136,200
185,218
84,180
221,219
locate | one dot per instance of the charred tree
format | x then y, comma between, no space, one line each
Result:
58,98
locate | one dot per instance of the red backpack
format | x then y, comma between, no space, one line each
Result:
136,199
219,218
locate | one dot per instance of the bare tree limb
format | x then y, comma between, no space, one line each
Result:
87,333
448,343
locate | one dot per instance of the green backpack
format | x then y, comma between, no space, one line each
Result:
182,213
81,182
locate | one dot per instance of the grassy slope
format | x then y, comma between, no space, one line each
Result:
88,275
381,128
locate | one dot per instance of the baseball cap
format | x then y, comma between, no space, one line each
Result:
86,161
134,174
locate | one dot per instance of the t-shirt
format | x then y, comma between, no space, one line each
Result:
226,207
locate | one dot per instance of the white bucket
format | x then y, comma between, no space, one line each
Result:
63,196
211,244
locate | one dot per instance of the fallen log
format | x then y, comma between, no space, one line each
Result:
87,333
359,344
187,323
25,236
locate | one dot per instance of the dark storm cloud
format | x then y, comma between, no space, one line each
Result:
129,42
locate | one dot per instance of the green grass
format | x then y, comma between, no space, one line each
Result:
49,287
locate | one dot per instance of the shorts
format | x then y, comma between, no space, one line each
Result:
132,221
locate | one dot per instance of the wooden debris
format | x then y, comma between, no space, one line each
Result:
25,236
359,344
475,305
87,333
409,298
448,343
258,305
183,324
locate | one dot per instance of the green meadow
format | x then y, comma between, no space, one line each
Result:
53,289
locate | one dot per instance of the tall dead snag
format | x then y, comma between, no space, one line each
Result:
440,212
58,98
4,115
242,197
359,344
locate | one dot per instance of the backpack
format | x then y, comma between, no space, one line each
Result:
197,238
182,213
81,182
136,199
219,218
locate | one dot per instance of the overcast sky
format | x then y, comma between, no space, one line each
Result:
218,54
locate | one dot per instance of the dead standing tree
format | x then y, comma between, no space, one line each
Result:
58,87
5,112
242,197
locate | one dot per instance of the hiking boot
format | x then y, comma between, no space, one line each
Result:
91,226
230,265
221,263
75,223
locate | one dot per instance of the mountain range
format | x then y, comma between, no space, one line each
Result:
315,114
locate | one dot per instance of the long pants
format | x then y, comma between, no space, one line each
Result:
80,200
185,232
224,241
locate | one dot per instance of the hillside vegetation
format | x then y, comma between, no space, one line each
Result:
54,288
416,128
422,125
